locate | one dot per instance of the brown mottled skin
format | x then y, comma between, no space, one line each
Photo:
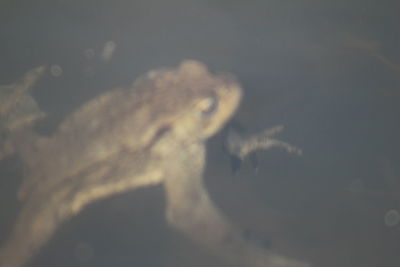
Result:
122,140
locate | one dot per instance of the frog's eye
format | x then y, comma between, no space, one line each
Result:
208,106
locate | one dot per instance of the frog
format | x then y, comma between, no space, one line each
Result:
152,132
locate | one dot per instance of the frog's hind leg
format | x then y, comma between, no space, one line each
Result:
190,210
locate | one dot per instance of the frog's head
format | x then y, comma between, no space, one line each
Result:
193,103
210,100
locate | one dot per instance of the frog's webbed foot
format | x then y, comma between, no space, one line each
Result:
241,145
25,113
191,211
18,109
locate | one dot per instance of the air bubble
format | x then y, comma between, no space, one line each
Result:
89,53
108,50
392,218
56,70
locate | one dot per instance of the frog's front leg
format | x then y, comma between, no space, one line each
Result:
241,145
190,210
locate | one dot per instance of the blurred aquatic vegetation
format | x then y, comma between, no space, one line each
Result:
374,50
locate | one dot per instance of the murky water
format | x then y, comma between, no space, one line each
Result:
327,70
